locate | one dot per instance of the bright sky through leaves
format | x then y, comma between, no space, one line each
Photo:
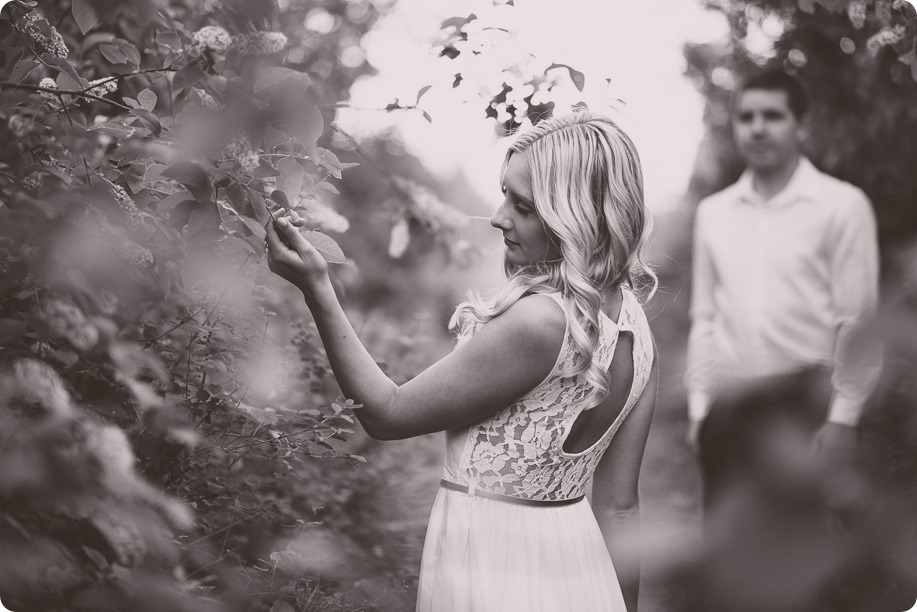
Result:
627,50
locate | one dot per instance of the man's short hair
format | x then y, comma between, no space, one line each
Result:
777,80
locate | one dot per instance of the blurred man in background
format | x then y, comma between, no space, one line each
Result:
785,268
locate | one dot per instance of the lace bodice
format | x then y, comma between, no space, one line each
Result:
519,450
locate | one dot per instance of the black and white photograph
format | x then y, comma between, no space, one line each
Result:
458,306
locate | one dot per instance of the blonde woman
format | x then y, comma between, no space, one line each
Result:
551,385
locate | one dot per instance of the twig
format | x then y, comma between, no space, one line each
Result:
68,92
385,175
118,77
170,330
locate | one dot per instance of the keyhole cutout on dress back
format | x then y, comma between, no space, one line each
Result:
592,424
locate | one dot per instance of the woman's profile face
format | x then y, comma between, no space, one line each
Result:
524,233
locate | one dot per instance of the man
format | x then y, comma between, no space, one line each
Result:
785,268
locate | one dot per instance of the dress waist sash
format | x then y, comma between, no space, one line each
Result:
446,484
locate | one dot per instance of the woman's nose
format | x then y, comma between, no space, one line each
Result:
499,220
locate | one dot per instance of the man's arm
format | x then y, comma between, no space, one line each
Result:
854,265
701,365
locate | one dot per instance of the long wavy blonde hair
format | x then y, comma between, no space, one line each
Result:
588,190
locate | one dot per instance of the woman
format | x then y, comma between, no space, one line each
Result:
545,374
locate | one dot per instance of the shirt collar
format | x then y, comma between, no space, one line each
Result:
803,185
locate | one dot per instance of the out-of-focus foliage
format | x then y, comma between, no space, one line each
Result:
829,535
155,453
862,83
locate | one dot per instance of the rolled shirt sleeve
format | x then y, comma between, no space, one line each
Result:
854,262
701,364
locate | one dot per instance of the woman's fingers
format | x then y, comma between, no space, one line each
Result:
292,236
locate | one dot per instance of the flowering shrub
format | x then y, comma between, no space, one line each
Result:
152,455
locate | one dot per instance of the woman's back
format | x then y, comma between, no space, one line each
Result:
545,446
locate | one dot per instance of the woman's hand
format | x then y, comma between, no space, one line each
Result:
291,257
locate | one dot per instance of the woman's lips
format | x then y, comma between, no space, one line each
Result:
509,242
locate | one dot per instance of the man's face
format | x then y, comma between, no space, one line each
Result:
766,131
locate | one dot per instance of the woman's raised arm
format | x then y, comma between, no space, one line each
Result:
506,358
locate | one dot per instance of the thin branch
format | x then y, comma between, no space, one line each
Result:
384,174
118,77
171,329
59,92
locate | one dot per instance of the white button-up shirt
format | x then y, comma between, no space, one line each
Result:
781,284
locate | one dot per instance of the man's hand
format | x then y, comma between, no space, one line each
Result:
835,442
693,433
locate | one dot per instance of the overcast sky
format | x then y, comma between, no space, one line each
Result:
630,50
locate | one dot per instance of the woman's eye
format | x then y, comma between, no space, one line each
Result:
522,210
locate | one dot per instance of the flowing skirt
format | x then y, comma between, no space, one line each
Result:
484,555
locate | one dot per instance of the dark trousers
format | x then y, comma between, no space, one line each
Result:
740,429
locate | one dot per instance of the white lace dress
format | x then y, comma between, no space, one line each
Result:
488,555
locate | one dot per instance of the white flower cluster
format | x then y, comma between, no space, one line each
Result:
134,254
50,41
428,209
21,126
206,6
47,83
240,149
856,11
105,88
259,43
885,37
214,38
111,447
65,319
127,204
884,11
203,99
34,384
31,182
107,302
899,4
320,215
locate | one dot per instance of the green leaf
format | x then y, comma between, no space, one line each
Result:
399,239
10,329
150,120
112,128
291,177
129,50
113,54
84,15
187,77
427,116
330,162
422,91
274,76
325,245
22,70
187,173
264,171
578,78
64,66
147,99
254,227
281,198
153,173
204,216
170,202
